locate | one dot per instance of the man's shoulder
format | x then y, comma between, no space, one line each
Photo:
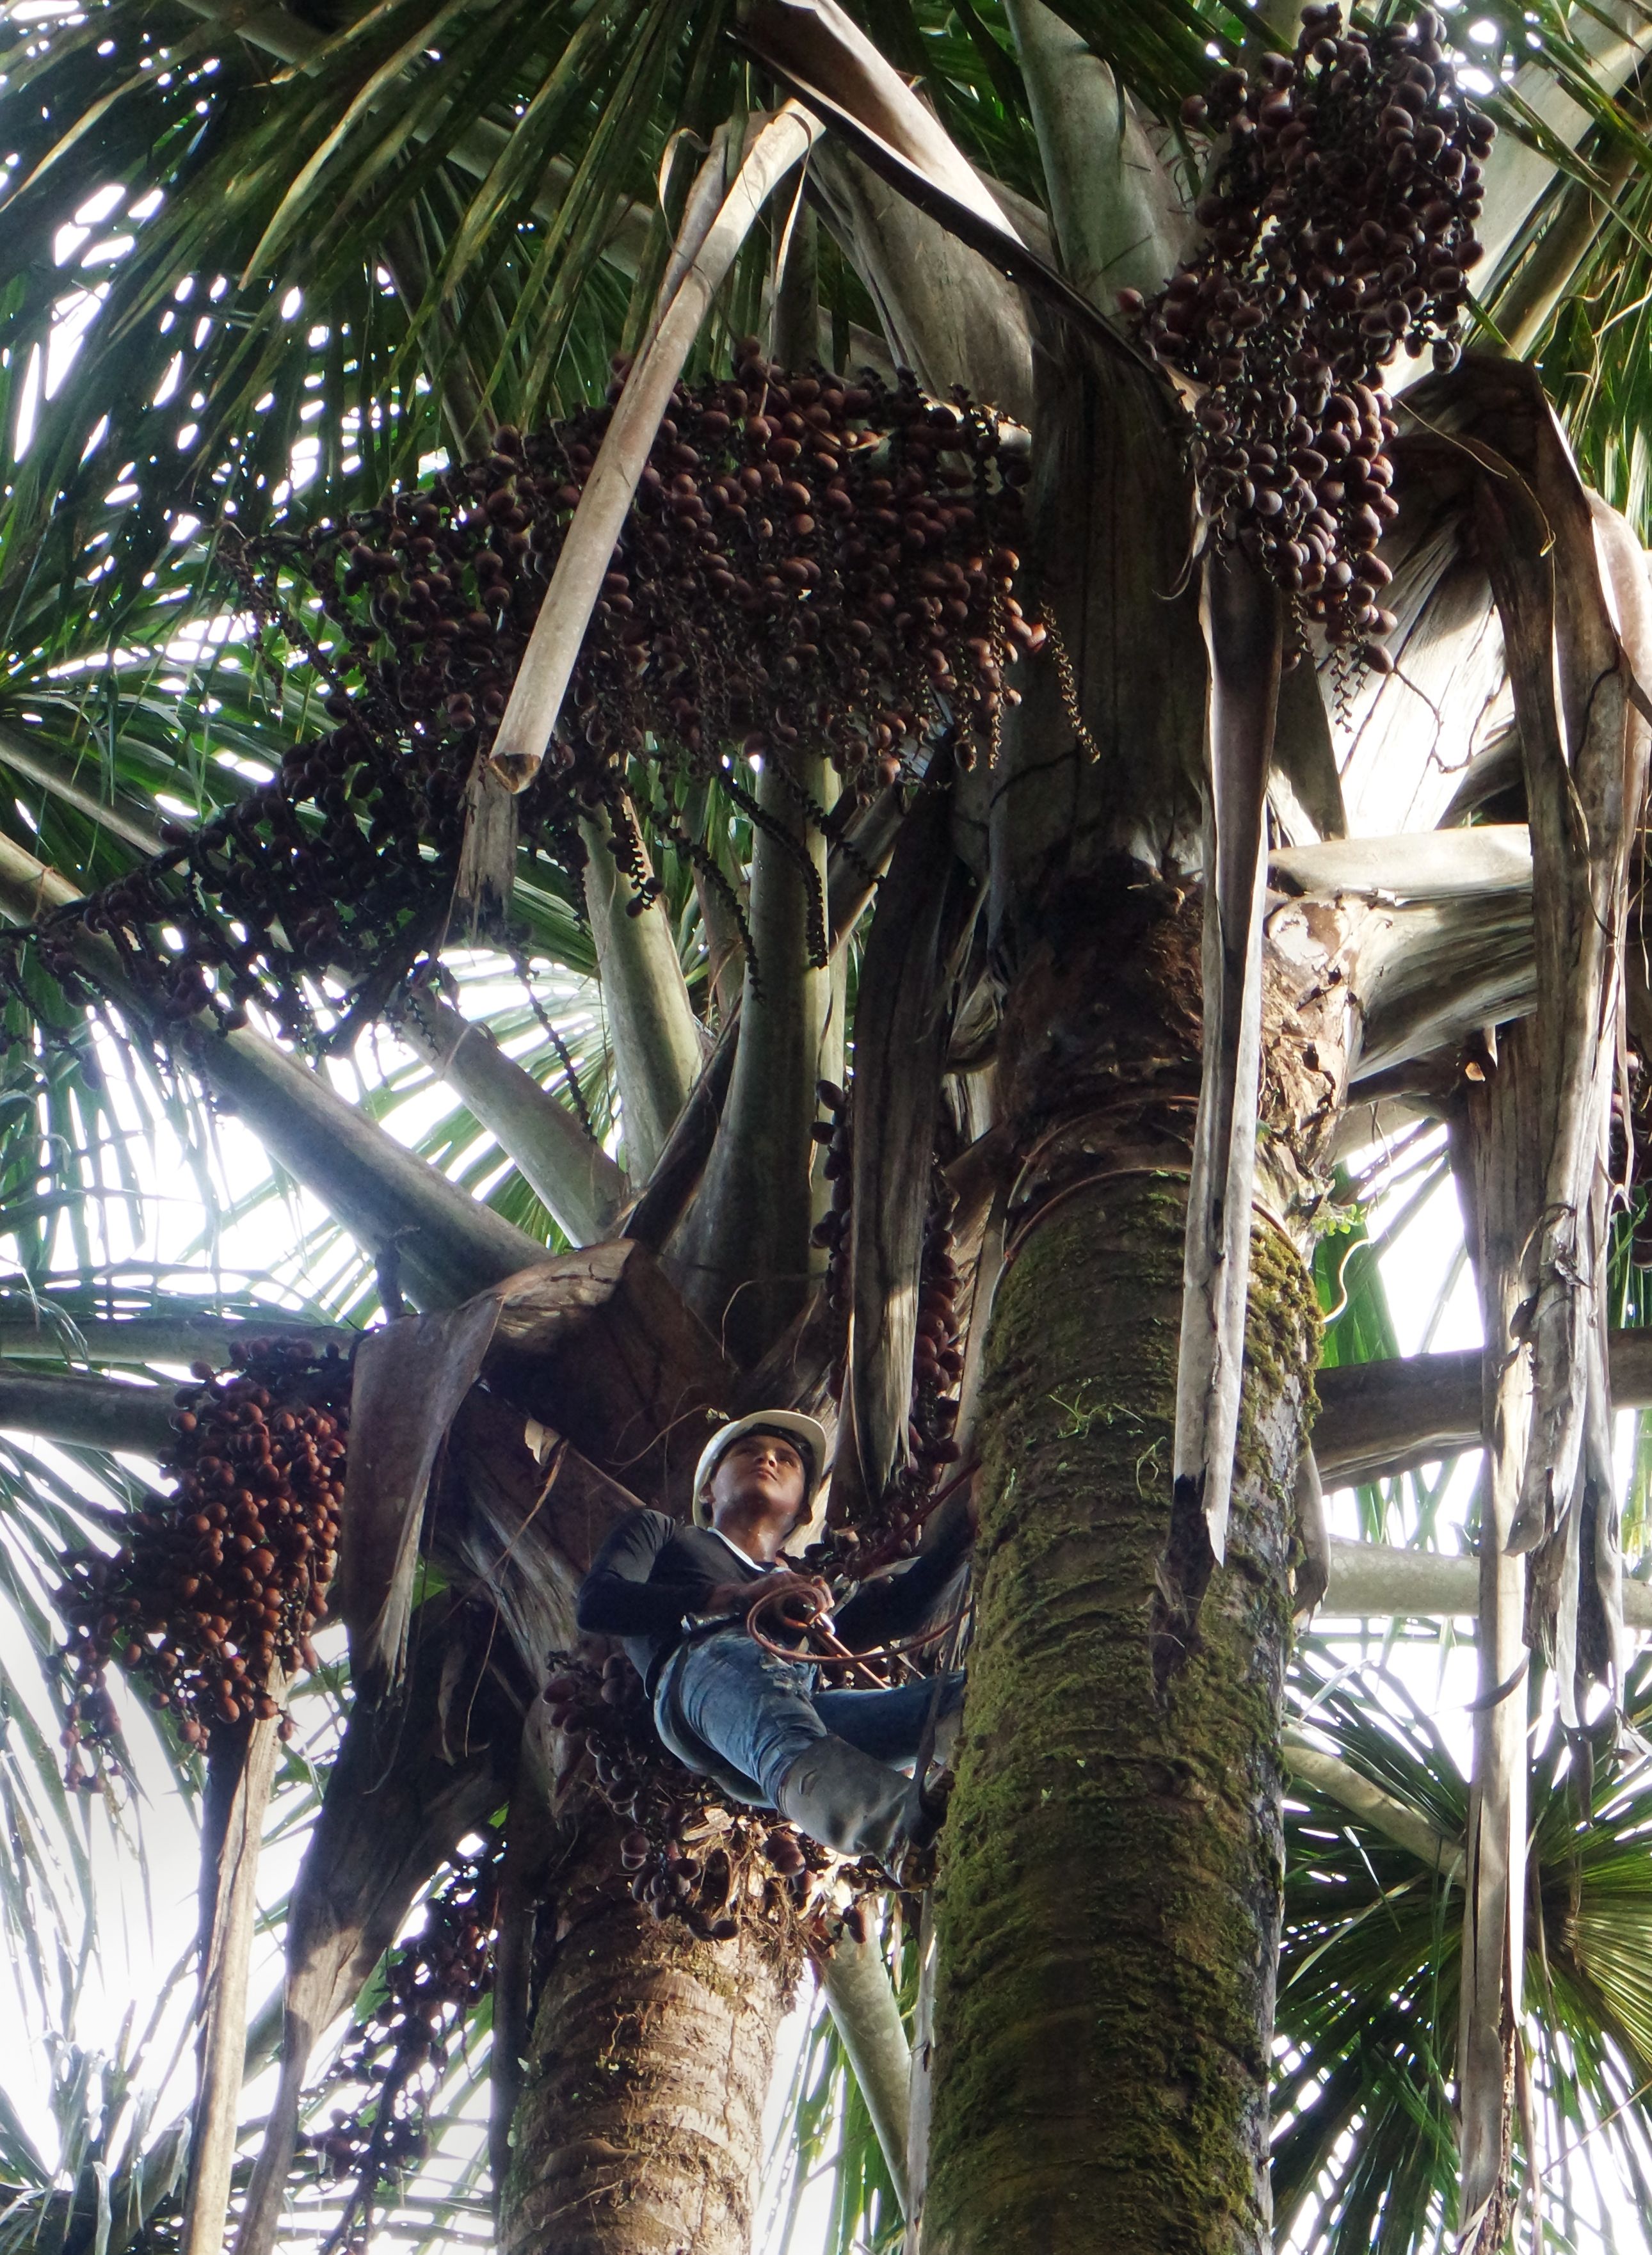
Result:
665,1530
634,1532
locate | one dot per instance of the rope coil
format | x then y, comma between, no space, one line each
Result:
825,1650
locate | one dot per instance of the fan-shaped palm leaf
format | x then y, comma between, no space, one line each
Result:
1365,2150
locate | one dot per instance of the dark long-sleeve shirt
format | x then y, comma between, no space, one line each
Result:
652,1576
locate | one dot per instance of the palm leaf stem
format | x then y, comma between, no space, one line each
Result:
91,1412
1117,215
1383,1417
1562,246
1611,44
867,2015
124,816
657,1040
55,1331
1341,1782
380,1191
579,1186
745,1247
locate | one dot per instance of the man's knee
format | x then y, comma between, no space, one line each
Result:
753,1718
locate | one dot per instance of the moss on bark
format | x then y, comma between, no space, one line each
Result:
1108,1905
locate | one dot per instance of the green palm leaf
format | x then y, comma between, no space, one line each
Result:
1364,2150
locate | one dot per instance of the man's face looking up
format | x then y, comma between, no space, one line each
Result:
759,1481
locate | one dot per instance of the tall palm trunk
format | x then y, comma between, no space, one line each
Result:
638,2130
1109,1909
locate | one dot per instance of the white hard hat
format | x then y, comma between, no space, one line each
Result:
808,1432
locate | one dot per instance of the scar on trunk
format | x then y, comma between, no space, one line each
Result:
1180,1580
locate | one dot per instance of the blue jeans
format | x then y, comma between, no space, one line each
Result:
754,1714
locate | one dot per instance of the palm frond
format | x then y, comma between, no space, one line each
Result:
1365,2146
319,257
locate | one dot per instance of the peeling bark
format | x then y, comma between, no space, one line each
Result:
901,1032
1242,621
543,673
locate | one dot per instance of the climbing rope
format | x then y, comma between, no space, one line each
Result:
822,1648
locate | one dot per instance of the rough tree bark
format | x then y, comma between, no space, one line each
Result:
638,2130
1108,1916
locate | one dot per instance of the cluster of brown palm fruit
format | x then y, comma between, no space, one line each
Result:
210,1602
1339,228
938,1357
686,1855
808,560
431,1984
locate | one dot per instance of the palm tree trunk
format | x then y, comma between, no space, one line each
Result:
639,2130
1108,1905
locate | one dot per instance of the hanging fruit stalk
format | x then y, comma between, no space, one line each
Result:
831,1233
399,2050
807,561
1338,230
212,1600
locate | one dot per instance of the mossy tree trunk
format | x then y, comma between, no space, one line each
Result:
639,2127
1108,1902
1108,1908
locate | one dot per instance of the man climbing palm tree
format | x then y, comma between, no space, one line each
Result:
733,1709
